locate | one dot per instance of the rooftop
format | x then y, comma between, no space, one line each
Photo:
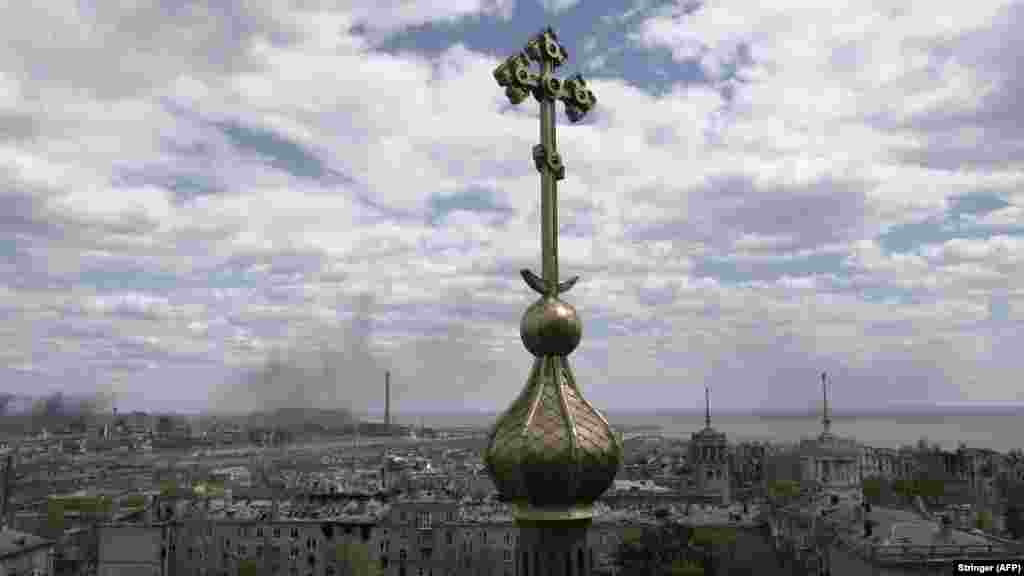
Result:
13,542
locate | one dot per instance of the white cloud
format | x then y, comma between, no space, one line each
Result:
809,156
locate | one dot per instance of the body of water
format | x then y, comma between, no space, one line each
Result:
1001,432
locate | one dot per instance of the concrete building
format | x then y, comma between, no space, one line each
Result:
880,463
23,554
132,549
747,472
829,461
709,458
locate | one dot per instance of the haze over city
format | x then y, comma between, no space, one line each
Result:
239,206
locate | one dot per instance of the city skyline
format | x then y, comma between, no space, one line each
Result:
279,209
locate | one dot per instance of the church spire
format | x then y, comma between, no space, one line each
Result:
826,422
707,407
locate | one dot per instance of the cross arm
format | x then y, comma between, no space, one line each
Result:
515,76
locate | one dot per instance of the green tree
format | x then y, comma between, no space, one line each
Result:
170,489
652,551
713,536
248,567
686,568
55,517
905,488
871,488
355,558
783,491
983,521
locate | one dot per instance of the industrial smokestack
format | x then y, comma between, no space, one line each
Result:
387,398
6,510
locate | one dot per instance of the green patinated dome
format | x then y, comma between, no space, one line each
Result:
552,454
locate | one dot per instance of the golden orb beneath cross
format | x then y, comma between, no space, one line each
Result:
550,327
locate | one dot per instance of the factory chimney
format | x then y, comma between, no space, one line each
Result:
6,509
387,399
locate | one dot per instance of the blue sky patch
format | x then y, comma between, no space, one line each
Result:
908,237
733,271
601,25
472,199
122,278
283,154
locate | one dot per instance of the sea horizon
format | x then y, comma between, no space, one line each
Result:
994,429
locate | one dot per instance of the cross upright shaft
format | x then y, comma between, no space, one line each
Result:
549,191
519,81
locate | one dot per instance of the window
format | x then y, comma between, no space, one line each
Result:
423,520
508,538
243,550
295,533
242,532
259,550
426,554
402,555
294,553
448,538
403,533
277,532
259,531
311,543
425,539
508,555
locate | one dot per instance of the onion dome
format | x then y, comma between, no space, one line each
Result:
552,454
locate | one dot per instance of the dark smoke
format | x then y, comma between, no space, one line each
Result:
338,369
59,411
330,369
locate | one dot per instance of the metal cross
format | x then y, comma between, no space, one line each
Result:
519,81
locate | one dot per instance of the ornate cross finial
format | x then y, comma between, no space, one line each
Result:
519,81
552,453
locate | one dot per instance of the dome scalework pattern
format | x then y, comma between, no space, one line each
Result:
552,454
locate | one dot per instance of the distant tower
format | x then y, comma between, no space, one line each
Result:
6,510
707,407
709,453
387,399
826,422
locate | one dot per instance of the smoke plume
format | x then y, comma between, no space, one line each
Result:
439,367
330,369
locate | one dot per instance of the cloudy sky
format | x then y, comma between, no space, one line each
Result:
242,204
